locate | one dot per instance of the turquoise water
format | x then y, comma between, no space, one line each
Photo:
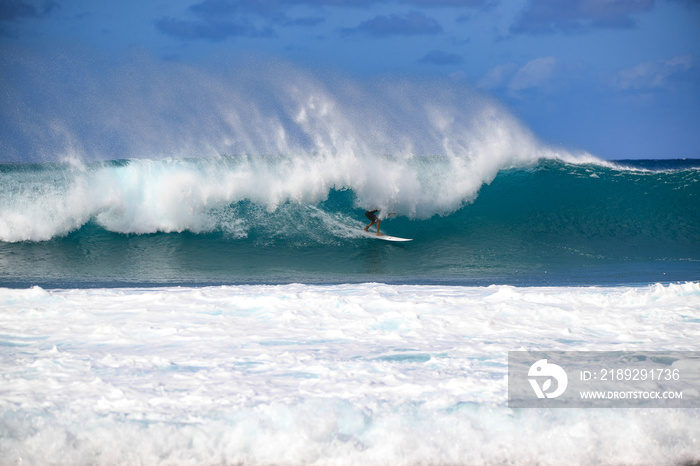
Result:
136,222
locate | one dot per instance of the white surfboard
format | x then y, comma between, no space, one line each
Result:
387,237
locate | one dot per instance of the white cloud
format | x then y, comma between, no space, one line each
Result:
498,76
652,74
536,73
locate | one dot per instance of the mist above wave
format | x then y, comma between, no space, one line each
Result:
84,107
262,130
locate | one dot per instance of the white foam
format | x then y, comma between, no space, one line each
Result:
345,374
148,196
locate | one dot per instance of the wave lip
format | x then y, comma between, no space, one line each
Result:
174,195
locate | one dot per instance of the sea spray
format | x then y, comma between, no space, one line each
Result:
142,108
200,139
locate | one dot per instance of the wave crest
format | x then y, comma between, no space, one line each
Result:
417,148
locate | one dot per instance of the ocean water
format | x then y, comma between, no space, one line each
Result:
184,279
236,220
228,311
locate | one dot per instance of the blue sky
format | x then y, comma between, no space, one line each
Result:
617,78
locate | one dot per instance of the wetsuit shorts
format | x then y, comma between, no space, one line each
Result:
371,215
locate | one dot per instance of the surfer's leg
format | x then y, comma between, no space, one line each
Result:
367,227
378,223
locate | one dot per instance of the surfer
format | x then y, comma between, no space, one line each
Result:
372,215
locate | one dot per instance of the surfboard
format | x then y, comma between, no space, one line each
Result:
387,237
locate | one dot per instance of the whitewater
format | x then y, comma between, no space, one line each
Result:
184,278
342,374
